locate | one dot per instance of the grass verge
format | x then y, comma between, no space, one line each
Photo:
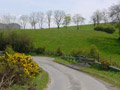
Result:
40,81
107,76
65,62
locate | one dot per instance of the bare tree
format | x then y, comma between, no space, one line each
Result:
98,16
105,16
94,20
59,17
67,20
77,19
8,18
49,18
40,19
24,20
33,19
115,15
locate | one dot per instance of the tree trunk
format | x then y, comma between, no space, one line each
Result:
94,23
49,25
77,27
58,27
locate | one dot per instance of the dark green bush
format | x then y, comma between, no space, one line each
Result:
3,40
20,42
40,50
107,29
98,28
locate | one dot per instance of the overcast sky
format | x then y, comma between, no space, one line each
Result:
84,7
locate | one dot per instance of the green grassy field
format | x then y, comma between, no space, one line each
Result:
71,38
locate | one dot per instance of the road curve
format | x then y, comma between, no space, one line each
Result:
64,78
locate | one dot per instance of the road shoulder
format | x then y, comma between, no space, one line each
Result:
101,79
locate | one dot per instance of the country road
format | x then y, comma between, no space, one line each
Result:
64,78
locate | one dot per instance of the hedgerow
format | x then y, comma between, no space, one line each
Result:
20,42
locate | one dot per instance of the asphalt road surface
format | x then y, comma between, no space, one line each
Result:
64,78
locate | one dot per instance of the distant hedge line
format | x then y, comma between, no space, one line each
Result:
20,42
107,29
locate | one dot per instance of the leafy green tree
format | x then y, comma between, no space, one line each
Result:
67,20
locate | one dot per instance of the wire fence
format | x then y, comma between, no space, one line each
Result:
90,60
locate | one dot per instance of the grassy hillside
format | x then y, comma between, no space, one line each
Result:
70,39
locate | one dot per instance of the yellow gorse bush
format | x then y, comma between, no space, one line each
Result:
17,68
30,68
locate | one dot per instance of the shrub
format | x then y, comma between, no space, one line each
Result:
20,42
53,53
18,69
105,64
40,50
107,29
93,51
9,50
98,28
59,52
76,52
